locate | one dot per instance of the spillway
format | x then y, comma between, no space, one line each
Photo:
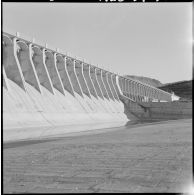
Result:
46,93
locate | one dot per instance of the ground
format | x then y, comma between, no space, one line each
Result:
139,158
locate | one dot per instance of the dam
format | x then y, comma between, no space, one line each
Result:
47,93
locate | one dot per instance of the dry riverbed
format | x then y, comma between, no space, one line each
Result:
153,157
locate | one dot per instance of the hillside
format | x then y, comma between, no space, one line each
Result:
182,88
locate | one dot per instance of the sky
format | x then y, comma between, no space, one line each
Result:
143,39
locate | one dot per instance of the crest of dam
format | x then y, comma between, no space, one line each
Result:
47,93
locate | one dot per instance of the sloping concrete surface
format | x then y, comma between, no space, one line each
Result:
24,111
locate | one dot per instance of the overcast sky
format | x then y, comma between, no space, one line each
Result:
143,39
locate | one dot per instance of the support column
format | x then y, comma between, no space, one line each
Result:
101,84
127,87
131,90
120,83
145,94
148,93
124,87
24,54
54,75
104,79
61,67
110,82
40,67
82,82
70,66
153,96
113,76
11,63
136,91
93,76
141,93
86,73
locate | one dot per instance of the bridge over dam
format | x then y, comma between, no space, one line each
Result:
47,93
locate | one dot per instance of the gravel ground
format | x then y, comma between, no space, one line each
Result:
153,157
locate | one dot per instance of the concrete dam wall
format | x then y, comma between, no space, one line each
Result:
46,93
156,111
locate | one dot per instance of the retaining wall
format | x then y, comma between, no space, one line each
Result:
169,110
156,111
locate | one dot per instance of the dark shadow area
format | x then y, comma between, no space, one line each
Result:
21,143
25,143
145,122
